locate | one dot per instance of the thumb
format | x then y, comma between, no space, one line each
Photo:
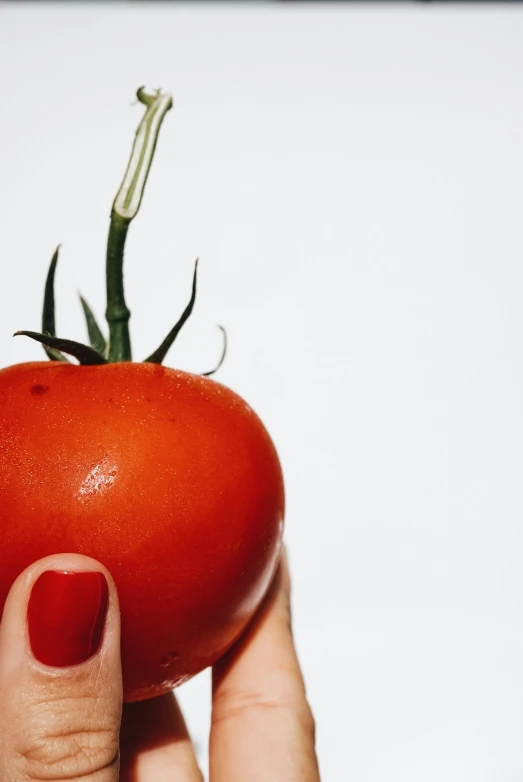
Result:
60,673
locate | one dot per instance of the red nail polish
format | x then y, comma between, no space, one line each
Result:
66,616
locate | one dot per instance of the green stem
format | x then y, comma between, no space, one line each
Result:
125,208
117,312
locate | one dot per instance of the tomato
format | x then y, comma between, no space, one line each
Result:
167,478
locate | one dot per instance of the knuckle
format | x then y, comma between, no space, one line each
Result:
230,705
252,703
68,738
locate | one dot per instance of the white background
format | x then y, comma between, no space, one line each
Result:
351,179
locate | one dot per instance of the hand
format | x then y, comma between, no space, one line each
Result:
61,692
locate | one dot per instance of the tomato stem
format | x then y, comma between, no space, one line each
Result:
125,208
117,313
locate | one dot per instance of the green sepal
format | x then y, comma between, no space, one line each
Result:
55,355
96,338
222,357
48,311
159,354
83,353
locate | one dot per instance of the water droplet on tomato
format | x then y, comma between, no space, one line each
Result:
99,479
169,658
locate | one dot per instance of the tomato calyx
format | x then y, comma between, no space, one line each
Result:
53,345
125,208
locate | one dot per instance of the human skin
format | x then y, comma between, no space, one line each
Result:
67,722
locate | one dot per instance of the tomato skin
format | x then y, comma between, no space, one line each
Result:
169,479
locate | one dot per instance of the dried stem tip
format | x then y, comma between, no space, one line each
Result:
128,198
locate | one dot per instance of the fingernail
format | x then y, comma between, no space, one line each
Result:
66,616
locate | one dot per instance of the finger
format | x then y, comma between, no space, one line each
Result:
262,726
60,674
155,744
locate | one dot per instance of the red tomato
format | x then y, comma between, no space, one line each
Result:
169,479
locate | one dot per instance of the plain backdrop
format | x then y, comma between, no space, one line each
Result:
351,179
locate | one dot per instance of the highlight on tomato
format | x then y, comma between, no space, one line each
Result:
167,478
